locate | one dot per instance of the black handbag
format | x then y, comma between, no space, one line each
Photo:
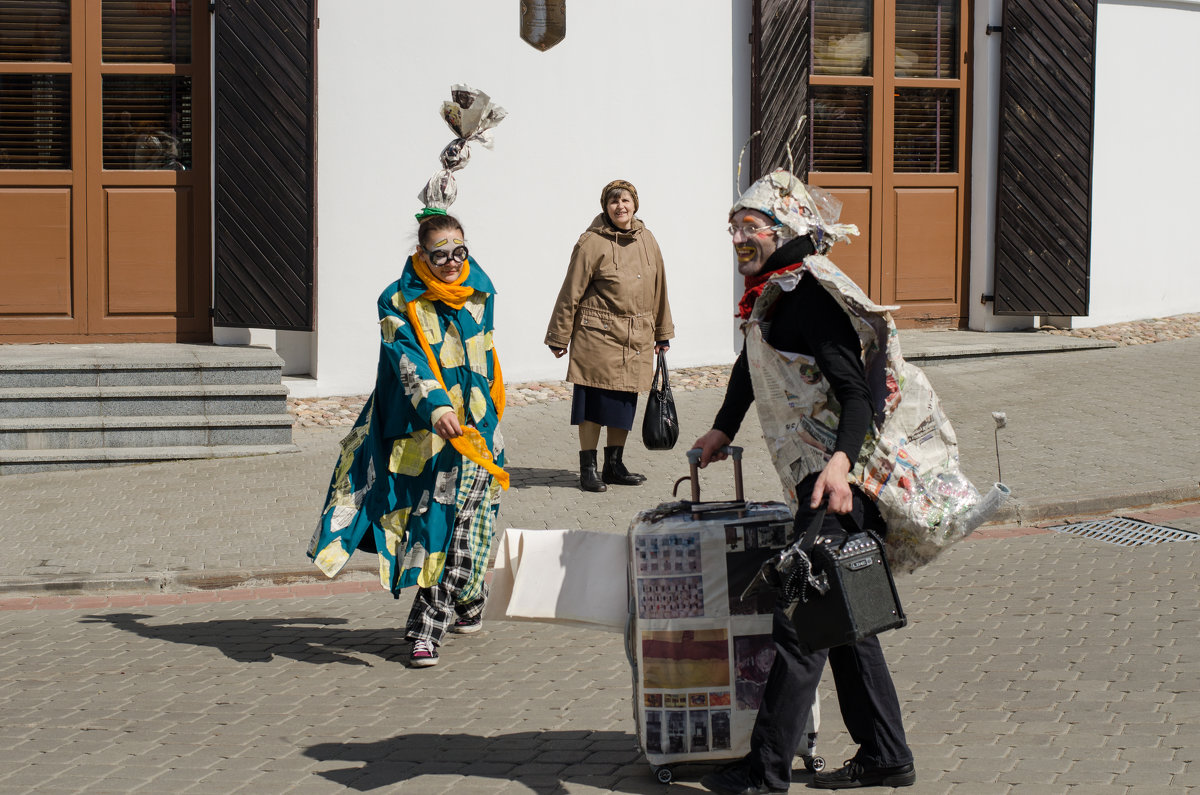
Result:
839,593
660,424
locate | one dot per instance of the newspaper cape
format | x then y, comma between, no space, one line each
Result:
909,462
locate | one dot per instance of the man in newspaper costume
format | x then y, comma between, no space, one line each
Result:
822,363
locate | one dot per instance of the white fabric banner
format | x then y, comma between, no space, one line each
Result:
561,576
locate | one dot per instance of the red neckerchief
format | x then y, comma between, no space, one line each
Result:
754,288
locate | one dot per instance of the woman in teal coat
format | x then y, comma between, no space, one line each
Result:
419,477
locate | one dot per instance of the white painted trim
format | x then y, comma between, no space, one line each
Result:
985,147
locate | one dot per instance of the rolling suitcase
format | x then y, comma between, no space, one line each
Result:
699,652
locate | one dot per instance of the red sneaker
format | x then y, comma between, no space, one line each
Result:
466,626
424,654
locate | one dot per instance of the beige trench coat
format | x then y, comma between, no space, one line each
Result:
612,308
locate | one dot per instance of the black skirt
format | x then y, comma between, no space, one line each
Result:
607,407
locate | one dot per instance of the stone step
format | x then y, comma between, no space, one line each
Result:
133,364
188,430
76,406
15,462
135,376
125,401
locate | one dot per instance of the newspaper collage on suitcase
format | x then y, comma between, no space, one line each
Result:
700,653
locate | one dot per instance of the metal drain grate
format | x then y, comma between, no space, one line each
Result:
1126,532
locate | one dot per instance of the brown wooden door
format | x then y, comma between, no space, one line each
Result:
42,273
104,170
888,101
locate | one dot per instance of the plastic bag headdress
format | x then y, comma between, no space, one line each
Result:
801,209
470,115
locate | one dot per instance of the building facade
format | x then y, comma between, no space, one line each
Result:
247,173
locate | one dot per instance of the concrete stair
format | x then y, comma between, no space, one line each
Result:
74,406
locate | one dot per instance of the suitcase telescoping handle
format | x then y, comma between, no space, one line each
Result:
733,452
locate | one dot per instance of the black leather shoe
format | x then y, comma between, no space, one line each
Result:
856,774
615,471
735,780
589,478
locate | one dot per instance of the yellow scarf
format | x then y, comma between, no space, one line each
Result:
471,444
453,294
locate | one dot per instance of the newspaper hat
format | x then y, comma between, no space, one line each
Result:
801,209
470,115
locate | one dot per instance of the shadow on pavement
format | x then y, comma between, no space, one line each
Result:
542,761
311,640
529,477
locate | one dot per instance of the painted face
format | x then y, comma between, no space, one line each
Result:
620,209
446,241
755,239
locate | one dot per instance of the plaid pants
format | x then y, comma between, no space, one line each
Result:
435,608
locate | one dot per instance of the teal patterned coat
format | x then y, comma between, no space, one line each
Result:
393,491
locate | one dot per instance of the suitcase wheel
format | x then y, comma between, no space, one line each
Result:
664,774
813,764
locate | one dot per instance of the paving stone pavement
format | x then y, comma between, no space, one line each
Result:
1038,663
1033,661
1088,430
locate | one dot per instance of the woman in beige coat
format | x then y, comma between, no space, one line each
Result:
612,315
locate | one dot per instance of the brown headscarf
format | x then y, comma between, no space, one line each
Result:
623,185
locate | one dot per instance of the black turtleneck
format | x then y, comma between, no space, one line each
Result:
791,252
810,321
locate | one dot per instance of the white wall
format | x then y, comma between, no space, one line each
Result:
637,90
1146,162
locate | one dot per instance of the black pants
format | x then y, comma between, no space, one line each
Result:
867,698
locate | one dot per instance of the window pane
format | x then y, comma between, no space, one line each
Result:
35,121
35,30
927,38
841,37
147,122
841,129
148,31
926,130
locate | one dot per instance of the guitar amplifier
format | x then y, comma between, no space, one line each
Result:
861,599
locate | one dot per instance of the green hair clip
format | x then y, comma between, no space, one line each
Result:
430,211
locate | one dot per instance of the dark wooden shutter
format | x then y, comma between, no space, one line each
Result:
265,69
780,53
1043,221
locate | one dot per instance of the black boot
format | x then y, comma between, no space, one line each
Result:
615,471
589,478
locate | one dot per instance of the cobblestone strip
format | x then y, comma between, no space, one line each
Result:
336,411
1159,515
1138,332
97,601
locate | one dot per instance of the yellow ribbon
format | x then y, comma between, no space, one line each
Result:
471,444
